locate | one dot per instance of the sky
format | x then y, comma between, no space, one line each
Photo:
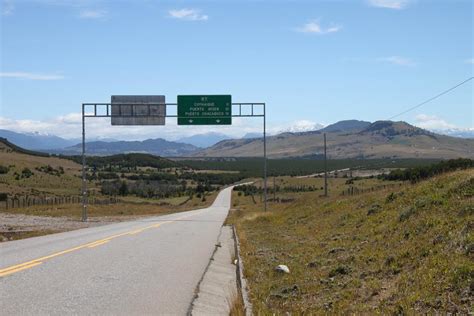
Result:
312,62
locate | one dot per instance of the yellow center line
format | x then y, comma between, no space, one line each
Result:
35,262
20,269
98,244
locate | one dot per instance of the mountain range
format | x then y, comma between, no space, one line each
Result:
158,146
346,139
204,140
36,141
350,139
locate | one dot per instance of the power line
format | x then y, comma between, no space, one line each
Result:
431,99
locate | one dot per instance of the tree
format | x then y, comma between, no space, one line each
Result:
123,190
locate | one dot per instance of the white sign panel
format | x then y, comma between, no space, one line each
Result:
140,110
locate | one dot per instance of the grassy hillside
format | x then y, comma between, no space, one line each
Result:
407,250
382,139
61,178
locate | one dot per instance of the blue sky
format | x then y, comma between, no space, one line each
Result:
310,61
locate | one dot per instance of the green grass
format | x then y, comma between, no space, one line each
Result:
253,167
407,252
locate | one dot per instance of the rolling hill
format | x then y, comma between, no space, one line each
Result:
381,139
30,173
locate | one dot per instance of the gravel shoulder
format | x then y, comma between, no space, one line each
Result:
19,226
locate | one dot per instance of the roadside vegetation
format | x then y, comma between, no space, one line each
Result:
121,187
424,172
405,249
253,167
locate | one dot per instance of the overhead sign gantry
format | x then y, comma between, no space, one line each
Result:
134,110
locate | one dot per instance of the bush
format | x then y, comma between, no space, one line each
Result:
342,270
50,170
407,213
374,209
390,198
419,173
3,197
4,169
26,173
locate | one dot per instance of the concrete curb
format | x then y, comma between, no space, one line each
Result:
218,286
241,281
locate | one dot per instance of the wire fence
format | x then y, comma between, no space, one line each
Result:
28,201
355,190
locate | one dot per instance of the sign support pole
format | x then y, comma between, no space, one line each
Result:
265,157
84,180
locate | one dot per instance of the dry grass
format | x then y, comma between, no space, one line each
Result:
236,306
16,235
120,209
40,182
406,252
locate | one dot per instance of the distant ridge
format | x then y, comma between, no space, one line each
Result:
203,140
158,146
6,145
351,139
346,126
34,141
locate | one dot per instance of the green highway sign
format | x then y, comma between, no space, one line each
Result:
204,109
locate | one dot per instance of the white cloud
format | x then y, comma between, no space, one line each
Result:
302,126
389,4
315,27
432,122
470,61
440,126
93,14
69,126
31,76
188,14
398,60
7,7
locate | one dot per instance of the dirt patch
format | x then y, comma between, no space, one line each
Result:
19,226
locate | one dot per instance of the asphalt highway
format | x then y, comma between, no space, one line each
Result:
148,266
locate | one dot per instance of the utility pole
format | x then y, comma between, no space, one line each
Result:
325,168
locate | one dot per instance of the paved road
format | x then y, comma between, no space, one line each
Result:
149,266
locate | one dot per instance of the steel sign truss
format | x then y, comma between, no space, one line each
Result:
148,111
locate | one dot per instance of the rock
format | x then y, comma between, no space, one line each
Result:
282,268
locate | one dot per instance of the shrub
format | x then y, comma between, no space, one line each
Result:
4,169
390,198
420,173
374,209
26,173
407,213
339,270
